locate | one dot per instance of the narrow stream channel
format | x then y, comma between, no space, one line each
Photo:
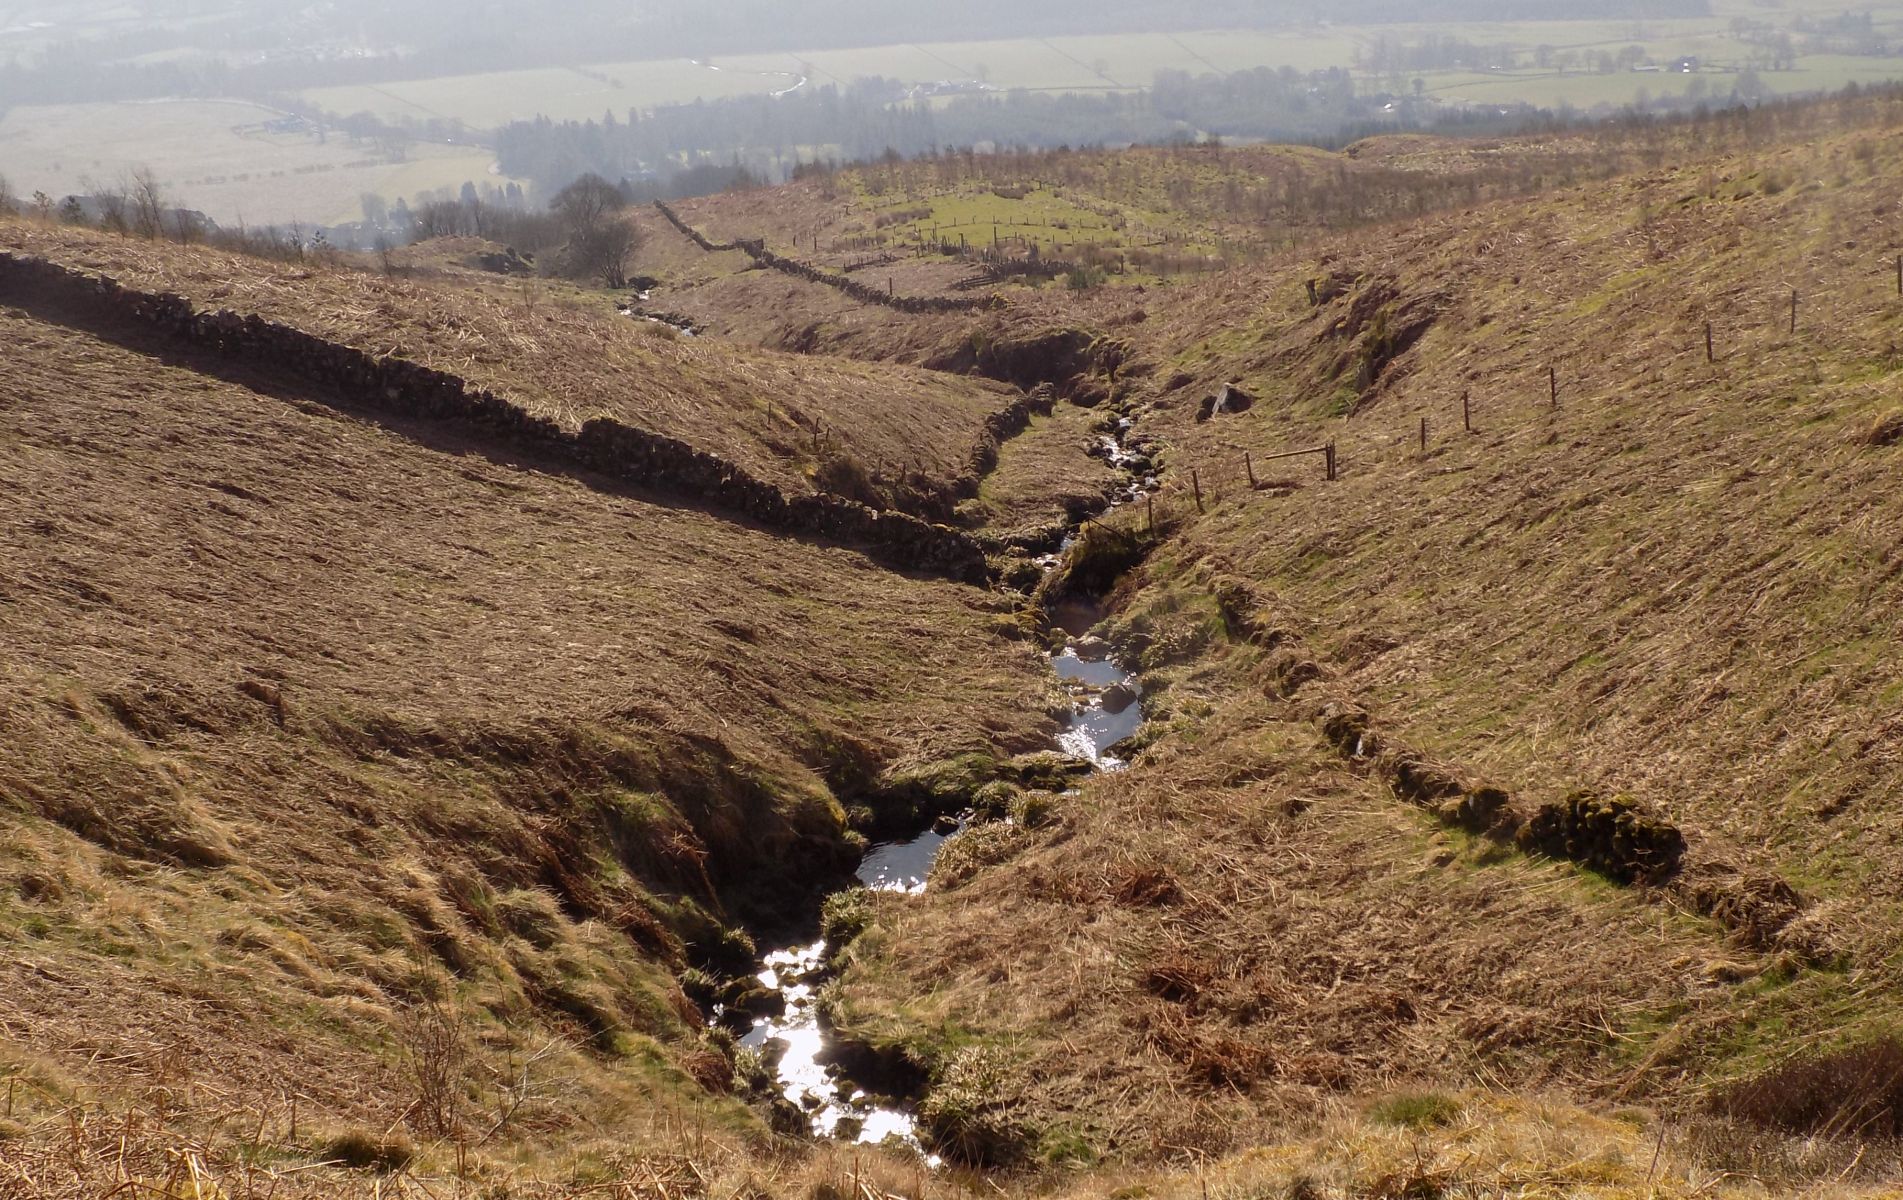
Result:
633,309
794,1042
1105,710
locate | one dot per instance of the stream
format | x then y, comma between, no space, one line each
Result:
836,1108
675,321
1105,709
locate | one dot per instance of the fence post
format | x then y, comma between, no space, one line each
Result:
1552,383
1331,461
1196,484
1423,435
1248,466
1466,412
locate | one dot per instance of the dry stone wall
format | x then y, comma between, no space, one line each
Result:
614,449
756,250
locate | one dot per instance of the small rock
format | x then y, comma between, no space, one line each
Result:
1091,648
761,1002
1118,696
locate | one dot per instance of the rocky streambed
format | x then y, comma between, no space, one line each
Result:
792,1037
788,1027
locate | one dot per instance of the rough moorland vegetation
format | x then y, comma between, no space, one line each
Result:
1558,750
1511,815
372,782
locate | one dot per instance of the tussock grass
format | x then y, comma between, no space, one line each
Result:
397,783
1045,481
776,416
1677,586
417,793
1500,1145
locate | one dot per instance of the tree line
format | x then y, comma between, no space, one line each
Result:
870,119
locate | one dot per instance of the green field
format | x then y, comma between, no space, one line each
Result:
1129,61
1584,90
217,157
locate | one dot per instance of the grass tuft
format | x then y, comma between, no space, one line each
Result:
1416,1110
363,1150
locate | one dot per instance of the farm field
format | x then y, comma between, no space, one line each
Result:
216,156
1116,62
1128,61
1547,89
27,28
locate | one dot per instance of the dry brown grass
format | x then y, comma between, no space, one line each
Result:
1677,584
360,726
571,359
1680,585
1487,1145
1244,927
1046,477
309,723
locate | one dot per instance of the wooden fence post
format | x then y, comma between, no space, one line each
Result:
1248,466
1196,484
1331,461
1466,412
1708,354
1552,383
1793,310
1423,435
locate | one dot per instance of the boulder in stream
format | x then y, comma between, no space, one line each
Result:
1091,648
1118,697
761,1002
1048,770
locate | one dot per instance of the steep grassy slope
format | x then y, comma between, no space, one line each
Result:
358,779
1644,586
783,419
1677,586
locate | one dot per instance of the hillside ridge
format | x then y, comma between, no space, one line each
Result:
612,448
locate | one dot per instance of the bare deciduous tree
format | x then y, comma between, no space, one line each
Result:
603,252
587,202
600,240
148,203
436,1052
